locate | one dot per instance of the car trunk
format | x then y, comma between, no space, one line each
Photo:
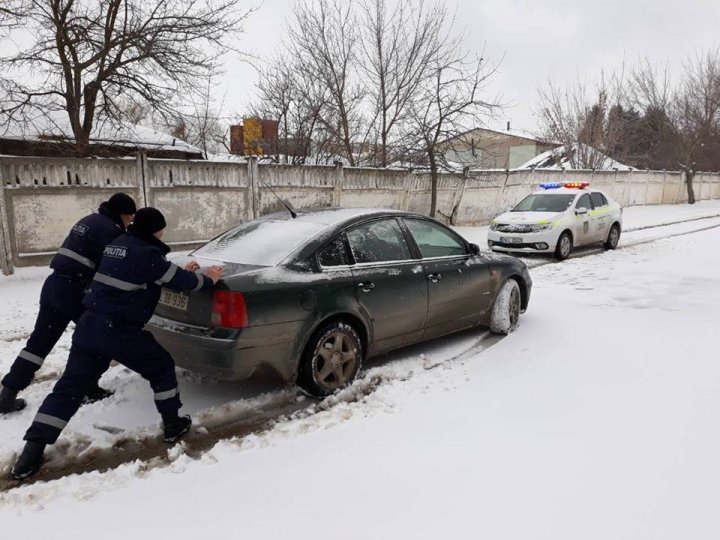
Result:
195,308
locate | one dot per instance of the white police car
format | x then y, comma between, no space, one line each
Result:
556,219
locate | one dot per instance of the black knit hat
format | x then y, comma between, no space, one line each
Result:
149,221
121,204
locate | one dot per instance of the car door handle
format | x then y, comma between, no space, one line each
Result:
435,277
367,286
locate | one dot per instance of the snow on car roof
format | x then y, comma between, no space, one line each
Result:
328,216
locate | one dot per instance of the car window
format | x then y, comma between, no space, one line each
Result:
433,240
334,254
376,241
260,242
584,202
598,199
544,202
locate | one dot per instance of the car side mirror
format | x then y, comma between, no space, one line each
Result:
581,210
474,249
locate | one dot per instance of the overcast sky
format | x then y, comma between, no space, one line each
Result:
538,40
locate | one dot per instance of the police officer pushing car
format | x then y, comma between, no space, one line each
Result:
122,298
73,268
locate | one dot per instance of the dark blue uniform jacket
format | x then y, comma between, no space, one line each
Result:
80,254
132,272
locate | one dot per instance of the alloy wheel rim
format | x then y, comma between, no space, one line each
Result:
614,236
335,361
565,246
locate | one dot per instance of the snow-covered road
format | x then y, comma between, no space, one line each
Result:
595,420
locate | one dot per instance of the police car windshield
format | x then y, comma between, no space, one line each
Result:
262,243
544,202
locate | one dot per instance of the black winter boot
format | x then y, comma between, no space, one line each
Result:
96,394
8,401
174,428
29,461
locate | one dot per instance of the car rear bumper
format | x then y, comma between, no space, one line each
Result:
255,350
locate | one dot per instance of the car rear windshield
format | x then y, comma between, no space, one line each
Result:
544,202
263,243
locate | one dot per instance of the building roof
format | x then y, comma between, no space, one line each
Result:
55,128
559,159
521,134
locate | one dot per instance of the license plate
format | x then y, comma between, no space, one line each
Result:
174,300
511,240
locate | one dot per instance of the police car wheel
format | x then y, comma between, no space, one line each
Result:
564,246
505,315
613,237
331,360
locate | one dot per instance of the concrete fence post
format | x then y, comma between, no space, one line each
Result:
6,258
142,183
254,188
339,183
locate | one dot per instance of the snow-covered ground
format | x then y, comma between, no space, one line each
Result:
595,420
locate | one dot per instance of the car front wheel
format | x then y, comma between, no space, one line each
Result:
505,315
564,246
613,237
331,360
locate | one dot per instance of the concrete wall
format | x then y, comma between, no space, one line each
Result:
41,198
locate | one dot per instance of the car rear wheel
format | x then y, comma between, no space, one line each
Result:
564,246
505,315
613,237
331,360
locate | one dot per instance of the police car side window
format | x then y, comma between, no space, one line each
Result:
584,202
598,199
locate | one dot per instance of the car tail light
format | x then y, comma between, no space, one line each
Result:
229,310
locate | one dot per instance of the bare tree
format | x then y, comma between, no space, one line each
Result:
582,120
88,57
684,120
397,51
451,99
201,123
323,41
696,116
11,15
296,100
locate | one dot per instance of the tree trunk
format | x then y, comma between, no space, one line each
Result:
433,184
689,175
82,144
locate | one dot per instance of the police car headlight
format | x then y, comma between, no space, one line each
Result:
494,226
538,228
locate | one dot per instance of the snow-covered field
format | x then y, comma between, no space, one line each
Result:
597,419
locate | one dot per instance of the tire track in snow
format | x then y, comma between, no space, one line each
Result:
590,251
223,423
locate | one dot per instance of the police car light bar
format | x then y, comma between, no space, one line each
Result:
555,185
578,185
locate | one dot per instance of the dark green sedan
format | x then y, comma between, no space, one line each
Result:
309,298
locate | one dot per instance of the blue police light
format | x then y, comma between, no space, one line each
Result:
553,185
